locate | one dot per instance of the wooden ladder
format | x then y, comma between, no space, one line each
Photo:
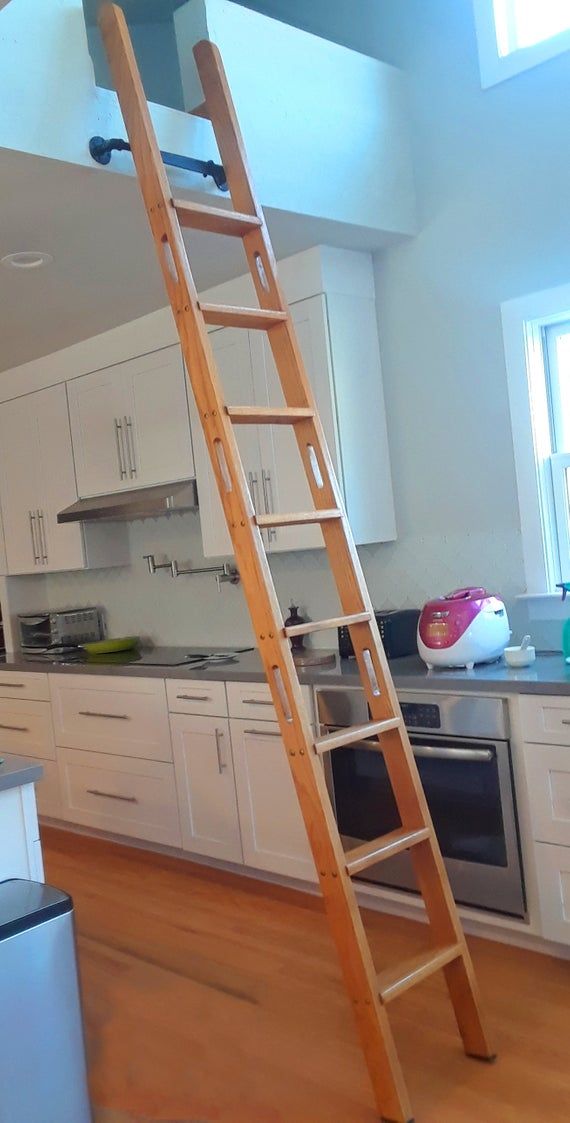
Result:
368,991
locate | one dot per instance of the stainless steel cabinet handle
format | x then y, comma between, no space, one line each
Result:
16,728
263,732
565,721
438,752
42,537
120,455
253,490
219,736
13,685
130,442
268,500
194,697
111,795
35,550
257,702
94,713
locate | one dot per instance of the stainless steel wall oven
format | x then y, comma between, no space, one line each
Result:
463,755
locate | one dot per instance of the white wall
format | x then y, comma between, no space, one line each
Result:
494,184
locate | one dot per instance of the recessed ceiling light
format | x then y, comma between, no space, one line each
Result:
26,259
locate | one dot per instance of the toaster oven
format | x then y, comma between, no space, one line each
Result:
68,628
398,632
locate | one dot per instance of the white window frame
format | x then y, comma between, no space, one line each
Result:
540,474
497,68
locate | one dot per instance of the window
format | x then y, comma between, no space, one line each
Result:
537,351
514,35
556,348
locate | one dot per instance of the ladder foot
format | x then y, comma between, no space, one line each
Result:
489,1059
384,1119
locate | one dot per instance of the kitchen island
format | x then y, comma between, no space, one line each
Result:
20,847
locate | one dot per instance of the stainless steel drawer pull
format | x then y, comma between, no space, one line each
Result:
440,753
111,795
565,720
94,713
257,701
16,728
221,763
194,697
263,732
12,685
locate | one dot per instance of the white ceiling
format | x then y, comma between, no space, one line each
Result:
104,271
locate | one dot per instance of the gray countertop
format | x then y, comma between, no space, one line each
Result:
548,675
15,772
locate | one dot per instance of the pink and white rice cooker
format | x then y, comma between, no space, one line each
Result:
465,627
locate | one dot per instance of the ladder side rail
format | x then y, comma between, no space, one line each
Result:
340,900
428,862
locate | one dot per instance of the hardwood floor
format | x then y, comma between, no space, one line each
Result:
211,998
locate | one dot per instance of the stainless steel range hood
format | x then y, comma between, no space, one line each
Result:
139,503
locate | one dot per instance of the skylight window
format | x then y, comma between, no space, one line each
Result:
515,35
523,23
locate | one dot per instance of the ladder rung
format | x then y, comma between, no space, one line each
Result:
361,857
201,110
324,625
229,316
395,980
269,415
299,519
356,733
214,219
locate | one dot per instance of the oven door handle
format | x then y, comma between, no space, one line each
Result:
433,752
428,752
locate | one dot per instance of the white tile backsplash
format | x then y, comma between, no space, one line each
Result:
189,610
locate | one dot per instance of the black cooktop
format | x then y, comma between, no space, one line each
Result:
141,657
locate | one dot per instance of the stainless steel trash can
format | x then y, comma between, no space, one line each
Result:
43,1077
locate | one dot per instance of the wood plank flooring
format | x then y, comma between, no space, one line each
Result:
211,998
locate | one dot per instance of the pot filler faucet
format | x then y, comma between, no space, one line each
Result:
224,573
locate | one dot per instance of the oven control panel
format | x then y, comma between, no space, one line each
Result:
421,715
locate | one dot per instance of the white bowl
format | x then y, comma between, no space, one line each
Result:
520,656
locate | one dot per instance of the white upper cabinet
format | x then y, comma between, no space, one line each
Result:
37,480
130,425
335,321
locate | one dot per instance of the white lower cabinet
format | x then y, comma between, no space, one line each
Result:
101,713
206,786
553,867
119,794
47,789
20,846
272,830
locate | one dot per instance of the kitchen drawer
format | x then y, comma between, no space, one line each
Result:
124,716
47,789
121,795
553,868
207,699
26,728
253,700
29,684
546,720
548,777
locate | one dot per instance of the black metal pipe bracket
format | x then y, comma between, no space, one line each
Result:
101,149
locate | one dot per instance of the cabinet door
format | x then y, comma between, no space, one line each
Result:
284,483
62,543
233,353
272,830
20,484
98,404
206,787
156,421
553,867
548,773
